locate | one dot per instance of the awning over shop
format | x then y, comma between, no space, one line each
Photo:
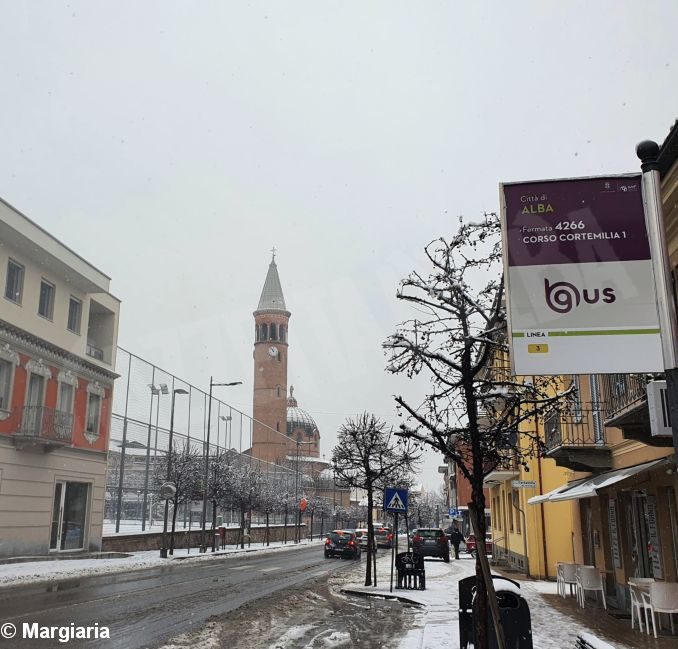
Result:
589,487
535,500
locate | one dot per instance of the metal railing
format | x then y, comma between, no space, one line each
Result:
565,428
46,423
621,392
95,352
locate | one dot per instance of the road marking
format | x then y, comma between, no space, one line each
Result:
270,569
239,568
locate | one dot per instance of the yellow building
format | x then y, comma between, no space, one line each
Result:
621,482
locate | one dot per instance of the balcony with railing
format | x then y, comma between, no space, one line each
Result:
43,429
638,407
575,438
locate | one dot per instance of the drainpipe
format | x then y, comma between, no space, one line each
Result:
541,506
527,559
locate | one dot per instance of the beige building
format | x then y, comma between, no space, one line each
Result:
58,337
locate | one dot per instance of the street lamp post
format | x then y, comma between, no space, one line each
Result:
154,392
163,549
225,419
203,542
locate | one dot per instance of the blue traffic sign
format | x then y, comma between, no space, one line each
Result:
395,500
452,512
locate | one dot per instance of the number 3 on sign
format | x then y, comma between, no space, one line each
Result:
538,349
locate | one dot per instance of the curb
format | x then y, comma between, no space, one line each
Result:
400,598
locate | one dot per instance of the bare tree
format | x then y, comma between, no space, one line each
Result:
241,492
185,475
475,407
368,456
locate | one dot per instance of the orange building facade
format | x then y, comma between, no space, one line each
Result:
58,335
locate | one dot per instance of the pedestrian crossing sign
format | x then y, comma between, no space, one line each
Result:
395,500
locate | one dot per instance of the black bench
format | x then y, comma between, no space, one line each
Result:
410,569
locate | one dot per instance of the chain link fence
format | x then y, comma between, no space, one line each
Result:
139,440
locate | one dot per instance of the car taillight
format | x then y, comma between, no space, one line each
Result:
327,541
351,542
390,537
416,538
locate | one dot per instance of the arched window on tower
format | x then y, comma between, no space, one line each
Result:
282,332
274,331
278,391
256,333
264,332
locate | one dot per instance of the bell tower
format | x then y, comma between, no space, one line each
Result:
270,370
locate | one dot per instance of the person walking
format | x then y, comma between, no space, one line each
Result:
456,537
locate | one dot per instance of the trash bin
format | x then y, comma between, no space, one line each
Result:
514,614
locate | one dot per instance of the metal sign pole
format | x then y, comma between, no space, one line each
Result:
393,548
648,151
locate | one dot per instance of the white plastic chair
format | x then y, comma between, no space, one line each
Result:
566,576
589,578
638,586
662,598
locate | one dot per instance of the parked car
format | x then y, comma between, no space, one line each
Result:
431,542
361,535
383,535
471,544
342,543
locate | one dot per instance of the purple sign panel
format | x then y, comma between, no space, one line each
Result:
579,277
575,221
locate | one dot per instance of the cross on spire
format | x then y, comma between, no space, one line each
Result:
273,251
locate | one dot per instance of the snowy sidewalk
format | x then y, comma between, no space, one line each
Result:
31,572
553,627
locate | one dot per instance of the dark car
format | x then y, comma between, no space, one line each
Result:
342,543
383,536
431,542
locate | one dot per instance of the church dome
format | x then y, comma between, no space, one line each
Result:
298,418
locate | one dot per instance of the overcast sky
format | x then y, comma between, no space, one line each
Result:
173,144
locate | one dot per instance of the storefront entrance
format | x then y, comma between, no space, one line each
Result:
644,535
69,516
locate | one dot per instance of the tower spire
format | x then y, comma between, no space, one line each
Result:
272,298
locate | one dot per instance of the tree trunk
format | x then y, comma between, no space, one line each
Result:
242,528
480,612
267,536
285,530
322,523
370,536
312,524
174,523
214,524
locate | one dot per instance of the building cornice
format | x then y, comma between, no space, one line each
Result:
47,351
668,152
